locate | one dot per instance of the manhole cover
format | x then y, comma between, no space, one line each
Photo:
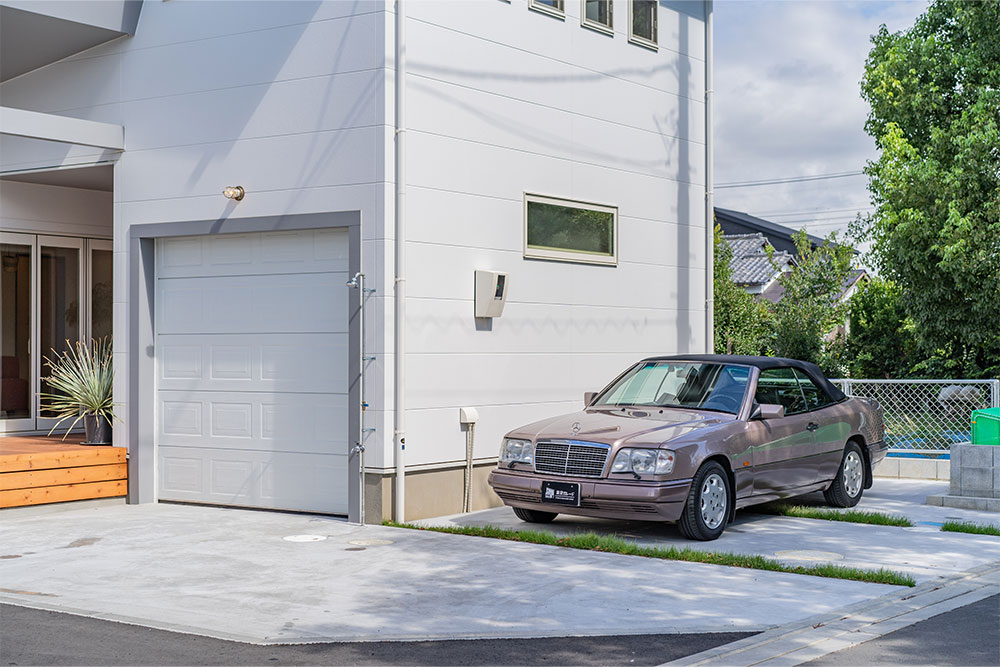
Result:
370,543
805,554
304,538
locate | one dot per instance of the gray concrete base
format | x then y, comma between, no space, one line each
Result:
965,502
976,471
897,467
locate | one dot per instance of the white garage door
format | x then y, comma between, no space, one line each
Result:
251,352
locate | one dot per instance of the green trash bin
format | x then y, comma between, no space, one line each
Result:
986,426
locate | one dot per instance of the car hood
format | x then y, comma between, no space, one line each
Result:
617,426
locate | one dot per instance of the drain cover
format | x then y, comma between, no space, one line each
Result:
304,538
805,554
370,543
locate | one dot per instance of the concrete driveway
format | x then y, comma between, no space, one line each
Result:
922,551
231,574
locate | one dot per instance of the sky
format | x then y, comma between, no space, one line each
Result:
788,105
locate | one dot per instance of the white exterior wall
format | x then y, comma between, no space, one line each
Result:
283,98
59,211
503,100
294,101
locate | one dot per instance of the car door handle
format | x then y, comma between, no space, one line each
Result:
813,426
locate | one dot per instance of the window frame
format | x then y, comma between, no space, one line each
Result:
607,29
573,256
802,395
653,44
802,377
558,12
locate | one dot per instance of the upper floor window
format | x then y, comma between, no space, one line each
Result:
598,14
642,22
554,7
570,230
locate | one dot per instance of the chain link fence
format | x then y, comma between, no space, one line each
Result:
926,415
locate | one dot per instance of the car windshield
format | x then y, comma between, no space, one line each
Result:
680,384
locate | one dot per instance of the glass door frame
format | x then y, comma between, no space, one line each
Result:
31,242
85,246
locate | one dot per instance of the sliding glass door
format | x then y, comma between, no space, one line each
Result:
55,291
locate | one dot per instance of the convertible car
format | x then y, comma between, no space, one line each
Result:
690,439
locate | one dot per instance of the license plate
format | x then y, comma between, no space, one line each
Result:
561,493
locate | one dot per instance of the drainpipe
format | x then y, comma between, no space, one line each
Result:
709,194
399,350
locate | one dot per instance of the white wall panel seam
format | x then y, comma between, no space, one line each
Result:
256,191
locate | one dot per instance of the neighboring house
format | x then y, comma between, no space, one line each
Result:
780,237
558,143
756,265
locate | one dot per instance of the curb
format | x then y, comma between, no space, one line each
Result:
802,641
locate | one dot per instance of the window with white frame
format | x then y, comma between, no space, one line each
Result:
598,14
553,7
574,231
642,22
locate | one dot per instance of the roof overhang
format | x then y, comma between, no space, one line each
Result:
34,34
50,127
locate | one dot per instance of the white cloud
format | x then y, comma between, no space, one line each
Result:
788,103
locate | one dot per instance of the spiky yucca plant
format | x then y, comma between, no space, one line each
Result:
81,379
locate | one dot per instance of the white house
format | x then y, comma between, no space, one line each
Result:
561,143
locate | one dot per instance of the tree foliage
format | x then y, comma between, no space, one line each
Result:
882,342
934,92
742,322
810,307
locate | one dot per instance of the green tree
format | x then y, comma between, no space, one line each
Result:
810,307
742,323
934,92
882,342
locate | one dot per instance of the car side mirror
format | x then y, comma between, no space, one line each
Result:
588,398
768,411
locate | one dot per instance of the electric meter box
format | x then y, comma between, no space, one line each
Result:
491,293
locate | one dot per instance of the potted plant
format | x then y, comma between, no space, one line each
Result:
81,383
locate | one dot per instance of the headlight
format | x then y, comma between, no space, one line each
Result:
516,451
644,461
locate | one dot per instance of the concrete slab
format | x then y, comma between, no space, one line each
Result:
922,551
230,574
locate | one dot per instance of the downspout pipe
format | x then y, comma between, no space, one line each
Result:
399,332
709,187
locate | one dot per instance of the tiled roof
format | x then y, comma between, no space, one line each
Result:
750,264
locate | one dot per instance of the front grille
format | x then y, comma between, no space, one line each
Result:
571,458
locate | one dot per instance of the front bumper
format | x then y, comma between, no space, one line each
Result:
630,500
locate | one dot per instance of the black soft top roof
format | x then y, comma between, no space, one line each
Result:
812,370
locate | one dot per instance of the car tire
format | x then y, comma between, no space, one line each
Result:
534,516
849,484
708,505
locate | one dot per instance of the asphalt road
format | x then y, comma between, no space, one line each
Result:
34,637
965,636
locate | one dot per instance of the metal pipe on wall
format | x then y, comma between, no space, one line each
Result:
709,186
399,347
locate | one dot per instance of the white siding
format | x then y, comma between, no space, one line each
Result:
49,209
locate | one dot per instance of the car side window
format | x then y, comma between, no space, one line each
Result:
816,398
778,386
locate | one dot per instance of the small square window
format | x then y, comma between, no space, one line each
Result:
642,22
553,7
572,231
598,14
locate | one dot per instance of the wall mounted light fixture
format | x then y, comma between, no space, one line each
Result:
235,192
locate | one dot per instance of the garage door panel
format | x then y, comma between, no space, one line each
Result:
306,251
315,302
252,348
303,423
314,363
255,479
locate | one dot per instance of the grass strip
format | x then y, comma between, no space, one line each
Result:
826,514
616,545
967,527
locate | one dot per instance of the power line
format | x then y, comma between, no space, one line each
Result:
778,214
793,179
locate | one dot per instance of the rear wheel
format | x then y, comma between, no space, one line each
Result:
533,516
707,508
848,485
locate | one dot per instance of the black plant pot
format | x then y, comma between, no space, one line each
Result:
98,430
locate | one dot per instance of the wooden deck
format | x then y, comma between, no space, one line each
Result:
35,470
